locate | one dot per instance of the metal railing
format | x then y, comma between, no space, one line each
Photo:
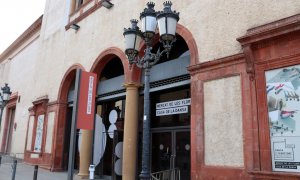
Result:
170,174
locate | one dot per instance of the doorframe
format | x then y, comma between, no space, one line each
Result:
173,131
12,104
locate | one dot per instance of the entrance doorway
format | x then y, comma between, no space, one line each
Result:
10,128
67,141
171,149
170,131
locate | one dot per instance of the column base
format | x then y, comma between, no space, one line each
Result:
83,175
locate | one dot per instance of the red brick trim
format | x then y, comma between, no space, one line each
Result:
274,175
188,38
190,41
271,30
83,14
106,56
60,109
221,68
271,46
66,82
35,27
39,108
217,64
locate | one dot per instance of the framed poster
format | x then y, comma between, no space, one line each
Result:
39,133
283,90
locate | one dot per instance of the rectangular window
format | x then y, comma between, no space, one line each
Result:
283,90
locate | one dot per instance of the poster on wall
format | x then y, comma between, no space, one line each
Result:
283,90
39,133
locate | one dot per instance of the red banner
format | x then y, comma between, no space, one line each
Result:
86,101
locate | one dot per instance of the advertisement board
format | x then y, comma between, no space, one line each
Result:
283,90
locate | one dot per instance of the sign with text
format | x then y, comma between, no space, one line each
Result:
86,101
173,107
283,100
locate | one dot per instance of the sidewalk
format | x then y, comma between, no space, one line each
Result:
25,172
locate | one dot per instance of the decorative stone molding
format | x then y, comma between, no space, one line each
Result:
217,64
35,27
271,30
267,36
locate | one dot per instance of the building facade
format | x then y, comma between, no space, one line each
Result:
224,105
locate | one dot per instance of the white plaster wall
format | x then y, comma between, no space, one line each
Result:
223,122
49,134
214,24
20,74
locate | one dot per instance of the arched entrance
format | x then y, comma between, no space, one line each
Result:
63,126
110,109
170,110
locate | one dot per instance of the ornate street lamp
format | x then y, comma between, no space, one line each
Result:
167,21
4,99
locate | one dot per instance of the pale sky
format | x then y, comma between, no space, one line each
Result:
15,17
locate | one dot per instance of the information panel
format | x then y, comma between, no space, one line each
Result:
282,88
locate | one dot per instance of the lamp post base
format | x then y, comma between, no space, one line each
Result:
145,175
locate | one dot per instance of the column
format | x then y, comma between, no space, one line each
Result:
130,132
85,152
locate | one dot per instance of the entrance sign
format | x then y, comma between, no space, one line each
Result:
86,103
173,107
169,111
283,90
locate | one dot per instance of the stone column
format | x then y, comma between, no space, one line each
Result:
85,152
130,132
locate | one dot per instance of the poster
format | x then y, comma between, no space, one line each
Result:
39,133
283,90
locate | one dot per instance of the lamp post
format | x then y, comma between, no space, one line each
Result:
167,21
4,99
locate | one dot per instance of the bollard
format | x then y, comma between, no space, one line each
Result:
35,173
0,159
14,167
92,171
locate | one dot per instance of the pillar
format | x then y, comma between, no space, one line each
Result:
85,152
130,132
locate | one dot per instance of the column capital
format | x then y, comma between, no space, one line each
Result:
132,85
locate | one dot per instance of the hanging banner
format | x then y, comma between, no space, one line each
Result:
86,101
283,90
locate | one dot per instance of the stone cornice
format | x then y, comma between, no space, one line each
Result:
271,30
216,64
35,27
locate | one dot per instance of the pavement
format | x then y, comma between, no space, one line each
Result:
25,172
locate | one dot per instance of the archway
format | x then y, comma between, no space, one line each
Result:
62,133
112,69
170,101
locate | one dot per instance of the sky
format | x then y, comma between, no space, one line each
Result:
15,17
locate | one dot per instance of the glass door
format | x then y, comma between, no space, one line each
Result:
171,149
161,151
182,153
